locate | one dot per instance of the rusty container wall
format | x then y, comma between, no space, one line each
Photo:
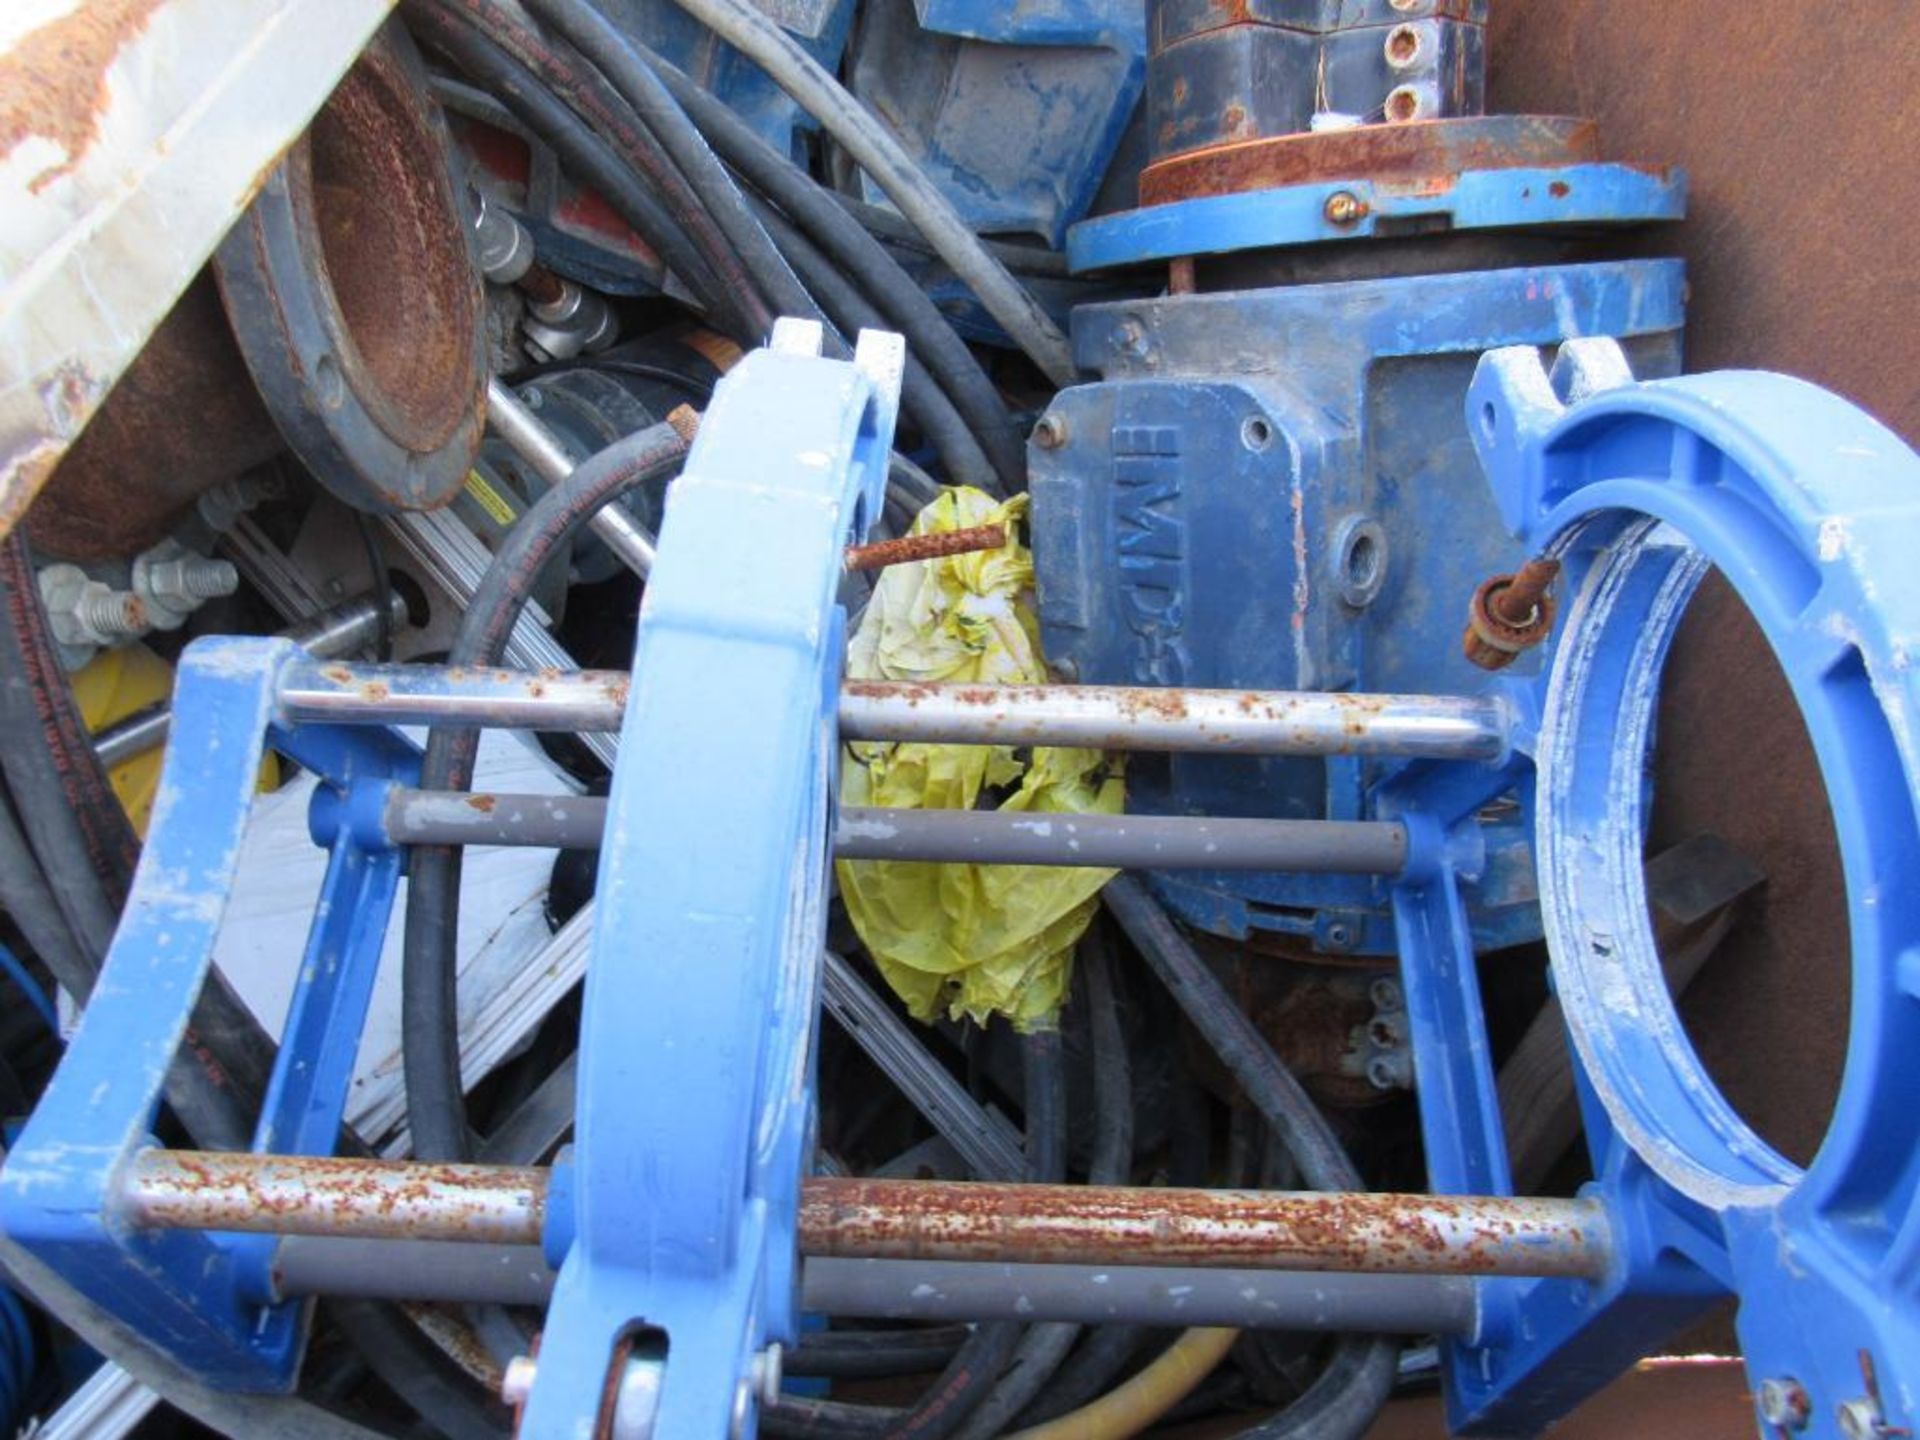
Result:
182,418
1793,120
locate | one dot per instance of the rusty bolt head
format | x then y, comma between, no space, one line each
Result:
1050,433
1784,1403
1345,208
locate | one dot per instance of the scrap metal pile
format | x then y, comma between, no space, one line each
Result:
921,721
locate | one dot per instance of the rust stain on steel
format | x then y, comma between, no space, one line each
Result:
1094,1225
909,548
301,1195
183,417
1424,153
53,82
483,803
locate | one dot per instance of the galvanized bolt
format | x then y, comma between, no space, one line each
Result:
1051,432
766,1372
1386,995
516,1382
1345,208
1859,1420
1784,1403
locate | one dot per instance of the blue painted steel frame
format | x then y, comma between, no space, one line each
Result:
694,1110
1812,511
201,1297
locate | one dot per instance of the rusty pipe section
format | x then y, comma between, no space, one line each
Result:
1206,1229
1096,717
908,1219
1111,717
310,1195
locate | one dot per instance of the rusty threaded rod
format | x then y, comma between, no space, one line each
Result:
909,1220
908,548
1519,600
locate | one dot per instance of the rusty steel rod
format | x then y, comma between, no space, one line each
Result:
1101,717
304,1195
1207,1229
908,1219
1243,722
936,546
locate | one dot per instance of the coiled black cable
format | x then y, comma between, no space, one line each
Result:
592,159
1343,1401
930,336
612,53
436,1104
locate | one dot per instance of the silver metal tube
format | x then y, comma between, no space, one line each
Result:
1119,842
1243,722
925,1290
368,1199
339,631
510,419
907,1219
1097,717
455,695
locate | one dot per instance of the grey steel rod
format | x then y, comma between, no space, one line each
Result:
1241,722
339,631
1140,1295
907,1219
1097,717
924,1290
1119,842
510,419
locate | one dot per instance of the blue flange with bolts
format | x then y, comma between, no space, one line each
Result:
1360,209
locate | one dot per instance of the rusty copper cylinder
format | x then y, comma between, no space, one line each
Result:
184,417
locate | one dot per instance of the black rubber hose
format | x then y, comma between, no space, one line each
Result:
1343,1401
923,401
929,334
1039,1356
871,1354
977,1365
436,1104
588,157
603,43
892,225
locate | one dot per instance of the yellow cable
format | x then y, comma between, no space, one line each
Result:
1132,1407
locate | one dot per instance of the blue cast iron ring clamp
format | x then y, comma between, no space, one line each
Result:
1810,509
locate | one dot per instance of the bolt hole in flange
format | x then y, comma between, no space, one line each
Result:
1256,433
1359,560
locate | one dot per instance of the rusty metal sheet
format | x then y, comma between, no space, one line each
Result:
132,133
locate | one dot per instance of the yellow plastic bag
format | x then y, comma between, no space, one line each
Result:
976,940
